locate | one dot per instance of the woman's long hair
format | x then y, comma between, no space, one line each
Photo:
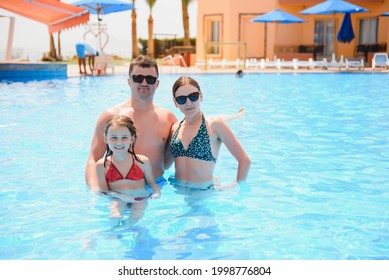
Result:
121,120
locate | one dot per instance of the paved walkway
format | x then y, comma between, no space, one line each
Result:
123,69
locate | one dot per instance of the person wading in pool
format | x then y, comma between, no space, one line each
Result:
123,173
153,123
196,141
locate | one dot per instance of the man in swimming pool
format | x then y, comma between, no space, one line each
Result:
152,122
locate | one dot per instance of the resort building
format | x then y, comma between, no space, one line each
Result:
225,31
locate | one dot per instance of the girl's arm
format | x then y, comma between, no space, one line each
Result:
149,177
226,135
100,172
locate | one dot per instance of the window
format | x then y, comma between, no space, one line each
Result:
213,33
368,28
325,36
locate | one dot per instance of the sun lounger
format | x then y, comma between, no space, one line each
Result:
231,63
355,64
380,60
288,64
216,63
336,64
266,63
304,63
252,63
320,64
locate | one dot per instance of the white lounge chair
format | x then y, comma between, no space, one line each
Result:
288,64
216,63
336,64
252,63
355,64
380,60
304,63
320,64
266,63
231,63
200,63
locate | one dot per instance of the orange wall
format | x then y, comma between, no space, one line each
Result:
236,25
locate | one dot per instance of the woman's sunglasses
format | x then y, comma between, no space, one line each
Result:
150,80
194,96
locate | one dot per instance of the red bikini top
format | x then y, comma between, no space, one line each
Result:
113,173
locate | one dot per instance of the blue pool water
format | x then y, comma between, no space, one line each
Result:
318,187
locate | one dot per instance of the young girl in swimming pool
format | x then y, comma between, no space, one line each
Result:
196,140
122,173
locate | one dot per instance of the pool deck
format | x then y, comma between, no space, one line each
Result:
123,69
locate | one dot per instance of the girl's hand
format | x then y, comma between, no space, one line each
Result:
155,195
125,198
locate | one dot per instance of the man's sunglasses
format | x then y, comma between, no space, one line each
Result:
150,80
194,96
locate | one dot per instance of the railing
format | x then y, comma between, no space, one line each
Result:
181,50
315,50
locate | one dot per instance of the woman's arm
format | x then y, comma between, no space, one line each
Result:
168,155
226,135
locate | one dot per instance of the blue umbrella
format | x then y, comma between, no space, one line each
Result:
385,14
346,32
276,16
333,6
101,7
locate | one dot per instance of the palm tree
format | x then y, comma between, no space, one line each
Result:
53,52
135,47
59,56
150,49
185,21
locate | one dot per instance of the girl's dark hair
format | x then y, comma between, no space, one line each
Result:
121,121
183,80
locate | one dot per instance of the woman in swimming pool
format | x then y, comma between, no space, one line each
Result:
121,173
196,140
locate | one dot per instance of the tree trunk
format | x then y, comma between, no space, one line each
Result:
185,20
150,49
135,47
59,57
53,52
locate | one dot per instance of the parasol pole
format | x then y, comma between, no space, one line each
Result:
98,25
334,35
265,39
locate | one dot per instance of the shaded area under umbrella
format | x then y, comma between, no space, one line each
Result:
103,7
334,7
276,16
346,32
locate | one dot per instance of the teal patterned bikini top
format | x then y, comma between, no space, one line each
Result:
199,147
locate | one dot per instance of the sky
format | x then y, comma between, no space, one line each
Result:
31,38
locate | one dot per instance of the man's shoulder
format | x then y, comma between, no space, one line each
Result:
119,109
163,110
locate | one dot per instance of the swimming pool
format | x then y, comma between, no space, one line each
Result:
318,186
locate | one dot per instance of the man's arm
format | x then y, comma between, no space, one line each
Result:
96,152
